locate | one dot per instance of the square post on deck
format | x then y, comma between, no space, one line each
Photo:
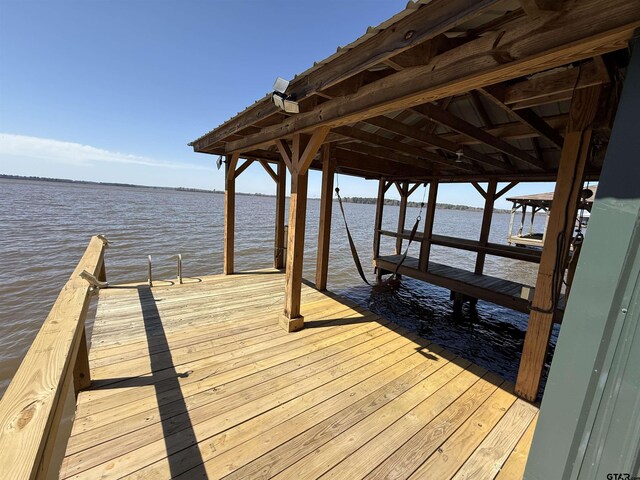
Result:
403,190
487,214
281,192
229,211
425,247
566,197
324,227
298,159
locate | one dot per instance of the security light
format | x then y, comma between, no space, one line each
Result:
281,99
280,85
219,162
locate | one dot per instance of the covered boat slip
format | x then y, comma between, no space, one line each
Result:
199,381
488,92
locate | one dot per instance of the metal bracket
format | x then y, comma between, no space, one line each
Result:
93,281
105,241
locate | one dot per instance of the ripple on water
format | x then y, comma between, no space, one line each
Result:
46,227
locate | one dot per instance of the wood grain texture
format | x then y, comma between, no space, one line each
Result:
32,406
252,401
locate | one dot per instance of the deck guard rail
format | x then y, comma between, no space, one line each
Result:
54,369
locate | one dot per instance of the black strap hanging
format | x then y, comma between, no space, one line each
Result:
354,252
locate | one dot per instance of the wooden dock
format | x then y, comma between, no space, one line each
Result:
199,381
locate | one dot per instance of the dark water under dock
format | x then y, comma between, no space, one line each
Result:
46,227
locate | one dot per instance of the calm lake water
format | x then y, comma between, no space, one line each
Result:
46,227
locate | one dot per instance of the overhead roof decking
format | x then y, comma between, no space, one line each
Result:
502,78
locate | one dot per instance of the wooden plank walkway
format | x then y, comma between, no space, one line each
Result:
199,381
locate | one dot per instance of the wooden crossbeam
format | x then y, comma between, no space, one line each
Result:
462,126
506,189
554,86
377,166
418,153
243,167
269,170
417,134
480,190
524,46
285,152
511,130
525,115
311,149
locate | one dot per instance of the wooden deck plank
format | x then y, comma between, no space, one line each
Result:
487,460
513,468
417,436
450,456
197,380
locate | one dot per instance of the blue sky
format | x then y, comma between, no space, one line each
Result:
114,90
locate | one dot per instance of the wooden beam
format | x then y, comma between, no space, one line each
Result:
554,86
324,228
480,190
285,153
389,155
376,165
402,214
425,247
525,115
525,46
229,212
506,189
511,130
269,170
281,192
470,130
377,227
311,149
418,153
243,167
420,26
436,141
557,240
487,215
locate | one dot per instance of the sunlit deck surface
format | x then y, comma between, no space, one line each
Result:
199,381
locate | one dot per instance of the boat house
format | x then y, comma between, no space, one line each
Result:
259,374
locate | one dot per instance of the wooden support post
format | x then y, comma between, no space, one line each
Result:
402,215
281,192
229,211
304,150
81,370
490,198
558,239
382,188
324,228
425,249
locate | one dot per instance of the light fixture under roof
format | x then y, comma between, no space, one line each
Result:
281,99
219,162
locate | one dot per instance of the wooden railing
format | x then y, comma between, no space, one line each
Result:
54,369
496,249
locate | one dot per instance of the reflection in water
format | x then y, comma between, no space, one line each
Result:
46,227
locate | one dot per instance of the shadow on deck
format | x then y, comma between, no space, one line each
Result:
198,381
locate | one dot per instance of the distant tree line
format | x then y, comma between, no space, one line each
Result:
391,201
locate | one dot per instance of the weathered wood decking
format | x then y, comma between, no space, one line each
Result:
199,381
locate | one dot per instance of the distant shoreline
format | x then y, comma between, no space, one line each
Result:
363,200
